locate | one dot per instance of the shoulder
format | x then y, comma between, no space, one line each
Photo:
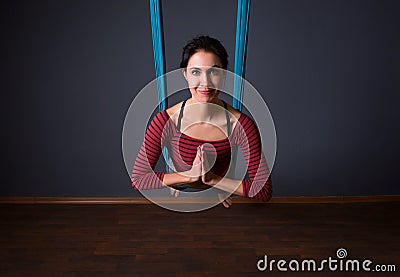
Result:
244,120
172,110
159,127
236,113
160,118
247,126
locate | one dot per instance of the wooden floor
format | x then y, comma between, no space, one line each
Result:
146,240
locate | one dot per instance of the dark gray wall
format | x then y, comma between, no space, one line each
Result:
327,69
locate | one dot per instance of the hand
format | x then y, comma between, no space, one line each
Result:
227,202
207,177
173,192
194,173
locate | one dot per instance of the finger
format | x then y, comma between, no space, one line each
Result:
174,192
226,205
202,162
221,199
205,162
227,201
201,153
197,159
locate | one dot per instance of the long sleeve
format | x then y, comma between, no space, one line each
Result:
143,175
259,185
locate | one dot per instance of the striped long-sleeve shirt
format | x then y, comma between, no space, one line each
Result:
183,148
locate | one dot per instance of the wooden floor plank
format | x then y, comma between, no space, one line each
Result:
146,240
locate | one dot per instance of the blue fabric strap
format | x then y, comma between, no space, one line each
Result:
158,50
242,27
157,34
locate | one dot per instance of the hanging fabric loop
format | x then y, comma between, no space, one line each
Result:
158,51
157,34
242,28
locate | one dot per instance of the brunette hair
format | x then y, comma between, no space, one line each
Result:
207,44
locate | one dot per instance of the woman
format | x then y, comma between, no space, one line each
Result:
200,133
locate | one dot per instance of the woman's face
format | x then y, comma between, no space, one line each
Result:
204,75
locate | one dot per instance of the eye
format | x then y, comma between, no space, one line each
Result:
215,71
195,72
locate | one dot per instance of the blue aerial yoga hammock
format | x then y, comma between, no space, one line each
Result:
242,27
157,33
159,51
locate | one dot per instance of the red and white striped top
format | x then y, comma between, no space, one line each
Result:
183,148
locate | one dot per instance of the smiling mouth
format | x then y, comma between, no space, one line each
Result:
206,91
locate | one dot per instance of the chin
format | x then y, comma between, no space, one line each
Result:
205,99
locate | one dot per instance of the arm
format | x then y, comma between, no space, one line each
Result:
143,175
225,184
259,185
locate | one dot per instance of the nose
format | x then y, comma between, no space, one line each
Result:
204,79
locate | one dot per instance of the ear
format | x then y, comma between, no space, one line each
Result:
184,73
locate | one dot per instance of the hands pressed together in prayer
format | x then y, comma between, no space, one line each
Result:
202,178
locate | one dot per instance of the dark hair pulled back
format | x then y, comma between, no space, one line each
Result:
207,44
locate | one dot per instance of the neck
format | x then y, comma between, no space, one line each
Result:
204,112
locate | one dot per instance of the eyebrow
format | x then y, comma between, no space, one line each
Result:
215,65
